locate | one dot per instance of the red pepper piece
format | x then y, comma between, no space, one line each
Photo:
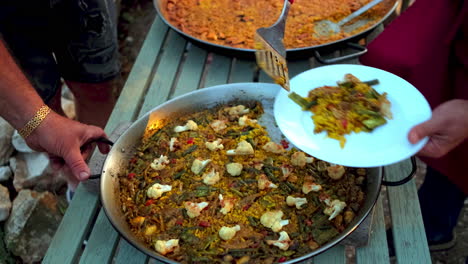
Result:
133,160
246,207
179,222
344,122
149,202
204,224
282,259
190,141
131,175
285,144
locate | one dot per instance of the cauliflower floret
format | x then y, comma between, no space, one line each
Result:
264,182
243,148
300,159
160,163
227,233
211,177
234,169
190,125
172,143
226,204
286,170
245,120
218,125
283,241
273,220
334,208
156,190
194,209
198,165
308,187
166,246
336,172
237,110
298,202
214,145
273,147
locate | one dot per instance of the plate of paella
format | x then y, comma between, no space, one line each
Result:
352,115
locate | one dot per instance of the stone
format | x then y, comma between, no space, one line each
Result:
5,203
6,148
32,170
5,173
68,107
20,144
35,216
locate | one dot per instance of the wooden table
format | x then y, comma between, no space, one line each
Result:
168,66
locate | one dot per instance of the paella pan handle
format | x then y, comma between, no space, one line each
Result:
404,180
360,50
98,140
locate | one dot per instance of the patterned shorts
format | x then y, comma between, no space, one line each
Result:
53,39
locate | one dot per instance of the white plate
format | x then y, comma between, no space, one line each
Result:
385,145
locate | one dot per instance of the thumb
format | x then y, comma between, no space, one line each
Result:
77,165
421,131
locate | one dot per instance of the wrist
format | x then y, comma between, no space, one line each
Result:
33,123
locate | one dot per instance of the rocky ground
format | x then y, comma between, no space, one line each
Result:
29,197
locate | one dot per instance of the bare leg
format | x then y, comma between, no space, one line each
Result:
56,102
94,101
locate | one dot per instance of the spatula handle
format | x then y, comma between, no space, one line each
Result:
359,12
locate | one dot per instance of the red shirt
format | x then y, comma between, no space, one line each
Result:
428,46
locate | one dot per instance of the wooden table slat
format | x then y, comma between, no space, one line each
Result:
407,226
377,249
101,243
191,71
217,70
166,71
68,239
334,255
128,254
242,71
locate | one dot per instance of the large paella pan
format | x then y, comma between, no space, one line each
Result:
230,24
169,224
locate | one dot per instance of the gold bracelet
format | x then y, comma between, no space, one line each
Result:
32,124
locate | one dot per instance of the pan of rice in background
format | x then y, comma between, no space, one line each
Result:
260,204
228,26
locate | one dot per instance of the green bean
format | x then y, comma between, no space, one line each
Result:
303,103
372,82
270,174
237,192
190,150
374,122
252,220
178,175
291,186
241,251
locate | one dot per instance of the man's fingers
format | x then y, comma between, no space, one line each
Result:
421,131
77,165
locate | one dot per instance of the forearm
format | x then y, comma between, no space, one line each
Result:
19,101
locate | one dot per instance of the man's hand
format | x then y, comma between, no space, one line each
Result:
62,139
447,128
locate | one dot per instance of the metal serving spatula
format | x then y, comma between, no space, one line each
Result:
325,28
270,51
